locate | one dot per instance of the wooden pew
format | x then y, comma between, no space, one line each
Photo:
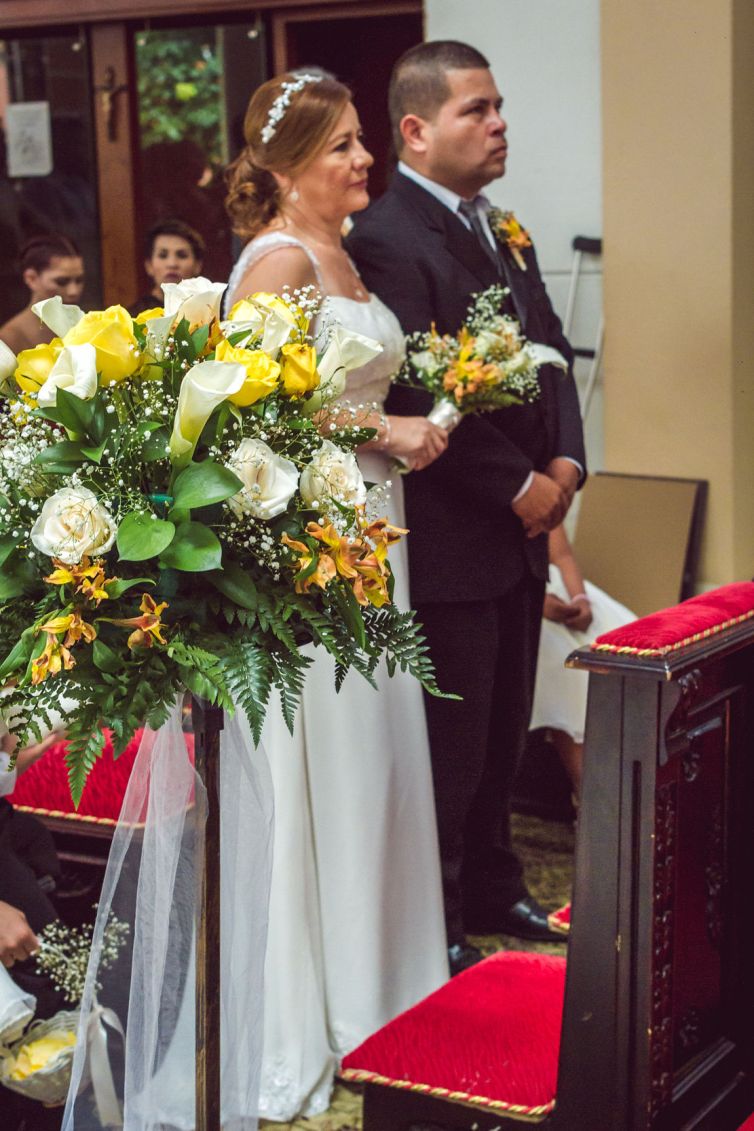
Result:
658,1020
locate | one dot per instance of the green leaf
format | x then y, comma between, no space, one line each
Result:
18,574
233,582
82,752
118,586
72,412
351,611
140,536
105,658
194,549
155,444
7,545
94,454
19,655
199,338
61,458
201,484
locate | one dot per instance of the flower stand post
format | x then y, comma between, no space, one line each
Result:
208,722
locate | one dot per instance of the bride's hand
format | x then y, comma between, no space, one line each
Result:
416,441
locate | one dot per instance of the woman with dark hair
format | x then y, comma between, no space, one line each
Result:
356,921
49,265
173,251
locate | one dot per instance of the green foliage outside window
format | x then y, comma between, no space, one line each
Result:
179,85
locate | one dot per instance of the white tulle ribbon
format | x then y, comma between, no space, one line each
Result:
100,1071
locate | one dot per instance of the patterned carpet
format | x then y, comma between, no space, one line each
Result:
546,849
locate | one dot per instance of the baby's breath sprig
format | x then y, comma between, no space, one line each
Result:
64,954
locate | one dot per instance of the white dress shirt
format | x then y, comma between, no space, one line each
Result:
452,200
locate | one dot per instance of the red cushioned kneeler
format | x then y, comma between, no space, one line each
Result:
489,1037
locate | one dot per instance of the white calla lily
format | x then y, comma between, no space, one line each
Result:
197,300
203,388
8,364
75,371
546,355
346,350
58,316
157,331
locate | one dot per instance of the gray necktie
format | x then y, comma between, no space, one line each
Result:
468,209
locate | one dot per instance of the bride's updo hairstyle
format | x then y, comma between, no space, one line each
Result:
280,143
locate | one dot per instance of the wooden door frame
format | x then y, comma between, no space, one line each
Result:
17,16
299,12
112,60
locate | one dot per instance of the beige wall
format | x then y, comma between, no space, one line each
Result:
678,112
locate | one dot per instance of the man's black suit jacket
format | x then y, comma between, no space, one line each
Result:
466,544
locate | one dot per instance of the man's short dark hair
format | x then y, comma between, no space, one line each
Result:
174,228
419,84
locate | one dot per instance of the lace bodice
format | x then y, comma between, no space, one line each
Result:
373,319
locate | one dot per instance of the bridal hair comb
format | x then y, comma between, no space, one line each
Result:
279,107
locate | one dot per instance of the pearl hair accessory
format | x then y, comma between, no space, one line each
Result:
279,107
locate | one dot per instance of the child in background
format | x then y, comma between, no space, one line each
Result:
575,611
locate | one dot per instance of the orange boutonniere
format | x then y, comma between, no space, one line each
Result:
509,232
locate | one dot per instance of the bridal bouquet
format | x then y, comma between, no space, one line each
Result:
487,365
172,518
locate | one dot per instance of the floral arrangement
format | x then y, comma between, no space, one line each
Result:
487,365
507,230
172,518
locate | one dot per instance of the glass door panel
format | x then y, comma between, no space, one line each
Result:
193,86
47,163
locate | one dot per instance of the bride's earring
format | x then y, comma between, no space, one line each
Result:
293,195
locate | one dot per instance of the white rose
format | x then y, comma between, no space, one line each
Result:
333,474
269,480
73,524
425,361
75,371
197,300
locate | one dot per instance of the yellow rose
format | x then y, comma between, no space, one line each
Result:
262,373
243,311
299,374
111,333
153,312
34,365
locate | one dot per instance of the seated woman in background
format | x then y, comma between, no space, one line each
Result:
172,252
50,265
575,611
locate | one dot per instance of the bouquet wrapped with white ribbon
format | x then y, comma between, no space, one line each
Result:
487,365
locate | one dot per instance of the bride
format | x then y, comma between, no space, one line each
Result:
356,920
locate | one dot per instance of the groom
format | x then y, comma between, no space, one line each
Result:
479,515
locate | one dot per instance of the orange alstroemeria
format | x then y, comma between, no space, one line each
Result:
54,657
72,626
468,372
147,628
321,576
87,578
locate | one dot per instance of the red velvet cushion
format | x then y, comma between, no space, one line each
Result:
748,1125
43,788
490,1037
683,624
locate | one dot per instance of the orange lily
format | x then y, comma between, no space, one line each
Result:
86,577
54,657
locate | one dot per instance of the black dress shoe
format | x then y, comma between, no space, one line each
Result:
461,956
524,920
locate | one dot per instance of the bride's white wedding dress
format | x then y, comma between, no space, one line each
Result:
356,929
